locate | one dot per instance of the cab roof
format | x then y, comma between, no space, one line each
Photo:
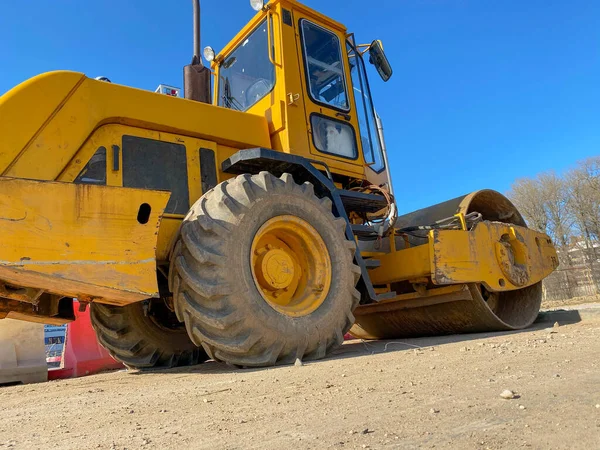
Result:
272,5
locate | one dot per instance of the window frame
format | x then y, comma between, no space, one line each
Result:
79,180
307,71
343,122
365,82
220,81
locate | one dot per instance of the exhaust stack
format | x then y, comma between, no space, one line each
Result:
196,77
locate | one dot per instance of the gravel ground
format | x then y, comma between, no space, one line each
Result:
554,304
421,393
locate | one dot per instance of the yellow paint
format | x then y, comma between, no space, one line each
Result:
28,106
92,104
291,266
401,265
109,135
502,257
86,243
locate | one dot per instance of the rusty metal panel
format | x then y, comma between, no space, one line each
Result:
80,240
503,257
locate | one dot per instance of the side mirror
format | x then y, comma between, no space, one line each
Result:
379,60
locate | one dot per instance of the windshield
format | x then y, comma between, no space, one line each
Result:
246,75
365,111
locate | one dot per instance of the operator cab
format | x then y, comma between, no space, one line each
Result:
308,76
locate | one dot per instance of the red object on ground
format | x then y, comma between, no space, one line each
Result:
348,337
82,354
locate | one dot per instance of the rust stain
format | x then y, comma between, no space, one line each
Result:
19,219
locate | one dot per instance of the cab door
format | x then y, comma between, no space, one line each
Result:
331,121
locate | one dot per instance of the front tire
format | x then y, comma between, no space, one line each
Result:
263,273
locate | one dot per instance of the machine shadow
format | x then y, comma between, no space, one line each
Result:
361,347
357,348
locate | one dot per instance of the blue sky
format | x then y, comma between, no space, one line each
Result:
483,92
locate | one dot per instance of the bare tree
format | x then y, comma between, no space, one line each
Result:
528,197
591,168
585,184
568,210
556,204
584,205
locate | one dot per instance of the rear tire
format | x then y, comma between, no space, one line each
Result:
221,299
144,341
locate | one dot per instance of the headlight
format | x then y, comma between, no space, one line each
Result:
257,5
209,54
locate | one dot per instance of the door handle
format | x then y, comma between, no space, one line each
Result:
343,116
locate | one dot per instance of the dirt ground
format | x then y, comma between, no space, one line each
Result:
419,393
554,304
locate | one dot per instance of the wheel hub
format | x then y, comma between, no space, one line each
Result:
291,265
276,269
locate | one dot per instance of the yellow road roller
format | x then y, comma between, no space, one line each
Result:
253,221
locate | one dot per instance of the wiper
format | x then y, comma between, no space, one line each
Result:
229,100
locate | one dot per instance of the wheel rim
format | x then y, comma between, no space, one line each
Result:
291,265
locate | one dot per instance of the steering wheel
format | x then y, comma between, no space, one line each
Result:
257,90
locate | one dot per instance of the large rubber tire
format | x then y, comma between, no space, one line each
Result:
139,341
214,289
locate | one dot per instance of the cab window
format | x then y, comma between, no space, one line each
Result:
324,66
94,171
333,136
365,111
247,75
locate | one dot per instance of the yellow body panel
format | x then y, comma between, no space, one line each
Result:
92,104
109,135
502,257
27,107
79,240
408,264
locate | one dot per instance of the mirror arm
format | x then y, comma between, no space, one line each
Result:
363,48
